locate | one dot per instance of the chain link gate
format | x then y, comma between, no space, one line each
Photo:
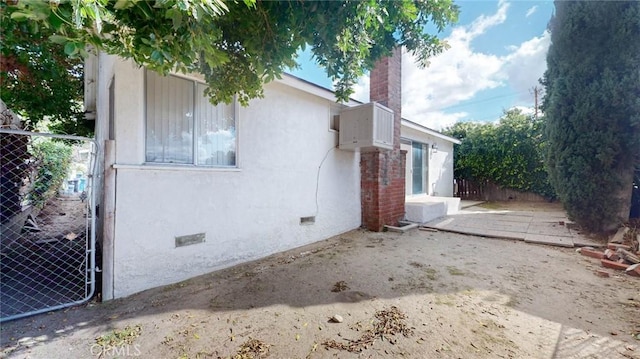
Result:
47,222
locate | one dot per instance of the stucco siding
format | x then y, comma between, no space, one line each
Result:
440,174
245,213
129,113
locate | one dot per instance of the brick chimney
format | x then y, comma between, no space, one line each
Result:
382,173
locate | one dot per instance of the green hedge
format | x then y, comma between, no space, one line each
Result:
508,153
53,160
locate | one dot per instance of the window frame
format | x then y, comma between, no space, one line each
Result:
195,81
334,117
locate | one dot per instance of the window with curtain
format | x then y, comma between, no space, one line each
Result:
183,127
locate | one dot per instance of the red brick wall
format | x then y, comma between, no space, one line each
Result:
382,173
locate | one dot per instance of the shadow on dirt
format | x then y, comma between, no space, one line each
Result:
546,282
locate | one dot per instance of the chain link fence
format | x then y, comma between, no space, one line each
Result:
47,237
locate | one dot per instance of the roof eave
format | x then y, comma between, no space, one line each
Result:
429,131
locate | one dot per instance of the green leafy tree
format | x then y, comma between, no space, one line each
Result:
239,45
592,107
508,153
38,80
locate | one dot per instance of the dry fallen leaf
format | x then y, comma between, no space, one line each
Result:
389,323
71,236
340,286
253,349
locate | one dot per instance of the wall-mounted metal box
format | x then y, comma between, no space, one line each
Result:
367,127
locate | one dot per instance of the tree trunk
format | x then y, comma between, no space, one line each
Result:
623,196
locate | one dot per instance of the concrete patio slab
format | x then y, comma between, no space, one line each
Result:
550,219
492,224
521,218
532,223
551,229
548,239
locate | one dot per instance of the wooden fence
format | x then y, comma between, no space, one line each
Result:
487,191
470,190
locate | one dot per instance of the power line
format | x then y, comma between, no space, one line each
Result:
485,100
490,118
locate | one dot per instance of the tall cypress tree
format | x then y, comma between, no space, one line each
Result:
592,109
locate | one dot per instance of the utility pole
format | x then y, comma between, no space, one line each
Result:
535,90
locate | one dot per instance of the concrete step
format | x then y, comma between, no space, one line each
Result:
422,212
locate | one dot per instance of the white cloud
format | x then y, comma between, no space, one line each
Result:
526,64
460,73
481,24
361,89
524,109
439,120
531,11
453,76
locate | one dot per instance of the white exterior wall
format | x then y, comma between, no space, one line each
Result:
440,181
246,213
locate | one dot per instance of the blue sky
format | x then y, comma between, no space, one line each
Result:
497,54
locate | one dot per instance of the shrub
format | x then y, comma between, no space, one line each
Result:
52,160
508,153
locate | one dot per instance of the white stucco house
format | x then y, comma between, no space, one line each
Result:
429,172
189,187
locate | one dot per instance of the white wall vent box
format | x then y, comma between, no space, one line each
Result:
367,127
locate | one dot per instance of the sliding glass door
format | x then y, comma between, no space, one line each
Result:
420,168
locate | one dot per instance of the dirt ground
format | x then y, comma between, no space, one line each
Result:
64,215
419,294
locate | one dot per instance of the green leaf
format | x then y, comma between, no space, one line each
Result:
167,56
182,5
58,39
123,4
156,56
55,21
20,16
70,49
175,16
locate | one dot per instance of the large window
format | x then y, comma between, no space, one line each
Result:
183,127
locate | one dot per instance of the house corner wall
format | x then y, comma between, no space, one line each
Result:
288,169
382,173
